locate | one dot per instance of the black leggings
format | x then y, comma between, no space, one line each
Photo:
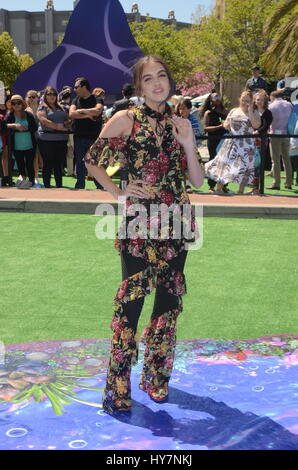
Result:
25,161
53,154
163,300
212,145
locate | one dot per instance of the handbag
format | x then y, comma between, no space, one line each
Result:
294,140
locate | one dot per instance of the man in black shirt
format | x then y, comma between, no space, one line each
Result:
86,111
256,82
127,92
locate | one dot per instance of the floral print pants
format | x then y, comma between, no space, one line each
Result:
139,279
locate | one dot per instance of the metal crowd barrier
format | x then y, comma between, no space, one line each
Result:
262,137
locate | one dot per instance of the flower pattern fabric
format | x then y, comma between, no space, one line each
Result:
235,160
162,168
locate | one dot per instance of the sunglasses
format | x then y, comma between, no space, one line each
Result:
76,87
16,103
31,97
51,94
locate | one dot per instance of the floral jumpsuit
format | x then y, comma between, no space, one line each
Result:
147,263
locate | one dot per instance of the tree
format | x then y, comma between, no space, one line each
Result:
197,84
282,26
11,62
228,46
25,61
156,38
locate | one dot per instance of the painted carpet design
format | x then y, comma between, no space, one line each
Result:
223,395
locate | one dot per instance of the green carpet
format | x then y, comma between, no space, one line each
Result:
59,280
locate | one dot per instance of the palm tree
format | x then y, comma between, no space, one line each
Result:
282,55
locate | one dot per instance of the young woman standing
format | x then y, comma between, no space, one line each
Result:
261,100
214,114
52,146
156,150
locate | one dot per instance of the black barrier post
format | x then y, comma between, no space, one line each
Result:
9,156
262,167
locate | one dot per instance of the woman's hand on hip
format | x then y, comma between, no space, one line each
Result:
135,190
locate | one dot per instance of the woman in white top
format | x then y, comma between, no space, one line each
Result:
234,162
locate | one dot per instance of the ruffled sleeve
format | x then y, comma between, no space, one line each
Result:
107,152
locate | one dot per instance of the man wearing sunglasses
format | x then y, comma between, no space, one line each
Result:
86,111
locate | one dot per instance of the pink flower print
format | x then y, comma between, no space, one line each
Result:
150,178
161,322
166,197
170,254
163,162
117,326
179,283
183,161
122,290
135,251
154,221
118,355
169,363
152,167
135,129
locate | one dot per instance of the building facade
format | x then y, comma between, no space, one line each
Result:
37,33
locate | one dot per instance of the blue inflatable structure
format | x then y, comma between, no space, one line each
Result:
98,45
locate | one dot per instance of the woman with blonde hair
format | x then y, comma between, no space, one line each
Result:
261,100
23,142
235,160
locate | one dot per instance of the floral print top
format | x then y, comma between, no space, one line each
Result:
163,168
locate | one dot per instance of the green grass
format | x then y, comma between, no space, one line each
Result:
59,280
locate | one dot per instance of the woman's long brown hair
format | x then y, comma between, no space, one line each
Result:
50,89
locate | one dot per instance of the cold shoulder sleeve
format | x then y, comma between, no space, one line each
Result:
107,152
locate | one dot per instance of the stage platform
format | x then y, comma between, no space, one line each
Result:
223,395
71,201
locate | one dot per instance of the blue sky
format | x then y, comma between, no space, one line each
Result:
157,8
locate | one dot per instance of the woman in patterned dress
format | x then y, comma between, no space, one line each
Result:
156,150
234,162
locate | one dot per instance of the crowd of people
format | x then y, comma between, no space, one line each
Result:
51,132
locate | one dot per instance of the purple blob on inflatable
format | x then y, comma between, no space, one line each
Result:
98,45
